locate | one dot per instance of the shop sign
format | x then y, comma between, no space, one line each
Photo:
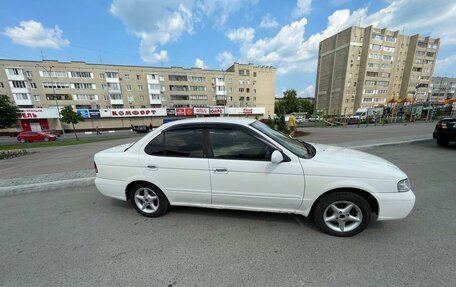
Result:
39,113
201,111
216,110
184,111
127,113
246,111
171,112
88,114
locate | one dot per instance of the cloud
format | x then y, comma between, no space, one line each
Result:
268,22
444,65
200,64
158,23
309,91
226,59
303,7
241,35
34,35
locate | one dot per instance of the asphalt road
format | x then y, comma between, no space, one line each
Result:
77,237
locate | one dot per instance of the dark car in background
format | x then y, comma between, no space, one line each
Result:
142,129
24,137
445,131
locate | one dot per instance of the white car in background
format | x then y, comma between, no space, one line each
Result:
243,164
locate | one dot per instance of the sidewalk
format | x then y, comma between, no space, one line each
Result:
69,166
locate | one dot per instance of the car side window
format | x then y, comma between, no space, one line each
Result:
177,143
229,143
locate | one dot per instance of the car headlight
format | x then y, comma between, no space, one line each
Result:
403,185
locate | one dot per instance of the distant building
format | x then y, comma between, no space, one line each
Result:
365,67
442,88
118,96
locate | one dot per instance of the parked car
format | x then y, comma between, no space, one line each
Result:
445,131
142,129
243,164
51,132
24,137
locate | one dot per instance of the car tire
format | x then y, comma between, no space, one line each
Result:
342,214
23,140
46,139
148,200
442,142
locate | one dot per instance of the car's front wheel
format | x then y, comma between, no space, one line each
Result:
46,139
148,200
23,141
342,214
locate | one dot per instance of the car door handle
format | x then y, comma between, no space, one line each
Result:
220,170
152,166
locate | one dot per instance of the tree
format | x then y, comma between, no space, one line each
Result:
290,101
9,113
71,117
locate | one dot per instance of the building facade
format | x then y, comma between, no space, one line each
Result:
366,67
442,88
115,96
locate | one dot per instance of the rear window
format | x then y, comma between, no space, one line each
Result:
177,143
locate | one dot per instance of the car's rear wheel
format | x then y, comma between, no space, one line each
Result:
442,142
148,200
46,139
23,141
342,214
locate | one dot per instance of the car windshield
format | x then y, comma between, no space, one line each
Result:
299,148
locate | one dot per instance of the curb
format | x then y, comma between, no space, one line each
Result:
391,143
46,186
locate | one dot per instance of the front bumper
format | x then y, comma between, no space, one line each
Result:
395,205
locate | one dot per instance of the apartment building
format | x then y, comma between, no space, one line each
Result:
117,96
442,88
366,67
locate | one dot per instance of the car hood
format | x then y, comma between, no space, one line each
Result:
352,163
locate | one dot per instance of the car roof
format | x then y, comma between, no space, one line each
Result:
225,120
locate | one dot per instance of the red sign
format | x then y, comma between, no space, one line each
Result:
247,111
201,111
142,112
184,111
217,110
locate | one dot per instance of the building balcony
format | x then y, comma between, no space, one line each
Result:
154,100
116,101
23,101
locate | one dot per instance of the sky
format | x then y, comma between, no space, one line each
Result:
213,34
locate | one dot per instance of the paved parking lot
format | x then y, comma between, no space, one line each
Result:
77,237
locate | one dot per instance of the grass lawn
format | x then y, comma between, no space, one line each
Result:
58,142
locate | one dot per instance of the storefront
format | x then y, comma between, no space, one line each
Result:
37,119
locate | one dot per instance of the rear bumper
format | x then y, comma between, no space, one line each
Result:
395,205
111,188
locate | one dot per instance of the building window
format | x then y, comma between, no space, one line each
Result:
84,86
367,100
241,99
154,87
130,98
377,37
161,78
369,91
29,74
198,97
19,84
57,85
177,77
254,74
244,72
1,85
113,86
197,88
388,49
81,74
14,71
429,62
115,96
387,57
370,83
112,75
106,98
390,39
422,44
138,77
372,74
141,98
33,85
179,98
128,87
374,56
127,76
102,75
86,97
376,47
384,75
382,83
132,107
420,53
21,96
241,90
36,98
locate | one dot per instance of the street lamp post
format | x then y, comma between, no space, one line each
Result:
55,97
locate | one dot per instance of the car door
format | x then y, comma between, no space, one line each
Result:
243,176
175,161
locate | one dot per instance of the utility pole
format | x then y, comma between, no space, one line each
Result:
55,97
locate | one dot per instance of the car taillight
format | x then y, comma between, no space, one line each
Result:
442,126
95,167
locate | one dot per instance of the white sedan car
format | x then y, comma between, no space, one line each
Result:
243,164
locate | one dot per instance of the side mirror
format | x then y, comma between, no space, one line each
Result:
276,157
